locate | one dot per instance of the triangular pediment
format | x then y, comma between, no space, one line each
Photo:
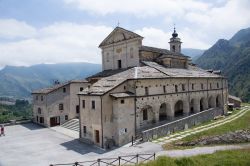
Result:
117,35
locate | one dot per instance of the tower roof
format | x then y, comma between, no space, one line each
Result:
175,34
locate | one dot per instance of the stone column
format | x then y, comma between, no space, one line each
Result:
170,112
186,108
196,106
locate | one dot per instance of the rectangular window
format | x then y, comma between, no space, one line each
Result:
176,88
41,120
64,90
41,98
36,97
77,109
61,106
192,86
164,88
93,104
145,114
84,129
210,86
119,64
146,90
202,86
83,103
218,85
122,102
81,88
183,87
66,117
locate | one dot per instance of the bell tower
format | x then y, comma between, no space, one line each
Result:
175,42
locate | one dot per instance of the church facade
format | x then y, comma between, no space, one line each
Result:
142,87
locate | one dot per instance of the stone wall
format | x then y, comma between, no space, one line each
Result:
181,124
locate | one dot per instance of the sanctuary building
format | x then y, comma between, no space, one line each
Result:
146,92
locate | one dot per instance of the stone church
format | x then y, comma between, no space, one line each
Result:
146,92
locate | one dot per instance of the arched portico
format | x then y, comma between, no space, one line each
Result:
164,111
178,109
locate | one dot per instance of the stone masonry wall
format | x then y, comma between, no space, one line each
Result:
181,124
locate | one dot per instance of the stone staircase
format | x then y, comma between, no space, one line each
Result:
72,124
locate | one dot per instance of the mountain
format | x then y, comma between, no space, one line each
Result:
232,57
19,82
193,53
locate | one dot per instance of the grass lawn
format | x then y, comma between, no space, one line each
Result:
220,158
238,124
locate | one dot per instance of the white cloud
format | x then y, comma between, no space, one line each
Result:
11,28
57,43
139,8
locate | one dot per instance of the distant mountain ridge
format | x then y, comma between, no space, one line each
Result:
232,57
19,82
193,53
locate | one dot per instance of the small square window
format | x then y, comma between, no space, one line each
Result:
176,88
202,86
122,101
183,87
81,88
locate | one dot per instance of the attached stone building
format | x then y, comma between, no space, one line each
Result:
53,106
142,87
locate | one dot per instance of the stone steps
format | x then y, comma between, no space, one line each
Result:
72,124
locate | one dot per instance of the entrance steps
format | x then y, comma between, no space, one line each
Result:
69,128
72,124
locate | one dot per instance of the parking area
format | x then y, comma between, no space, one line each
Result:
32,145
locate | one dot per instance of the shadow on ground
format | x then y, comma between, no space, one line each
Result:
32,126
82,148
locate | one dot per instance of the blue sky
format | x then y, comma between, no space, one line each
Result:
56,31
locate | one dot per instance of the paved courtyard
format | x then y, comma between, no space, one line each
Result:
32,145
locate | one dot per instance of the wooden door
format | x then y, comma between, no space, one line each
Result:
97,136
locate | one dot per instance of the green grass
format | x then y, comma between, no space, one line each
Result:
238,124
220,158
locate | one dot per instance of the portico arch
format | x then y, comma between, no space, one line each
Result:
192,106
178,108
202,104
218,101
211,102
147,115
164,111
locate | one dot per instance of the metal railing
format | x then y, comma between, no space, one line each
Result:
118,161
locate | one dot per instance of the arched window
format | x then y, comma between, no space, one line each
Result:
173,48
145,114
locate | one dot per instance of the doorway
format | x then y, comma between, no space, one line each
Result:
54,121
97,136
119,64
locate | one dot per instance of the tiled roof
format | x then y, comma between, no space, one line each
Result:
122,94
192,71
151,70
55,87
107,83
106,73
234,98
161,51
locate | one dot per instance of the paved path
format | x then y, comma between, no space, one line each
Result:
182,134
201,150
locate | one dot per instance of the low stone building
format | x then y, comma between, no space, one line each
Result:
143,87
53,106
236,101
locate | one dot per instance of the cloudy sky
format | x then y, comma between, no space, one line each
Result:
57,31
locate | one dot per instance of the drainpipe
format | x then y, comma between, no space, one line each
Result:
80,124
101,121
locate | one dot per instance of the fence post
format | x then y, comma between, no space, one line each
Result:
76,163
154,156
132,140
98,160
119,160
137,159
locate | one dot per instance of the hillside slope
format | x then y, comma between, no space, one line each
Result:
232,57
19,82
